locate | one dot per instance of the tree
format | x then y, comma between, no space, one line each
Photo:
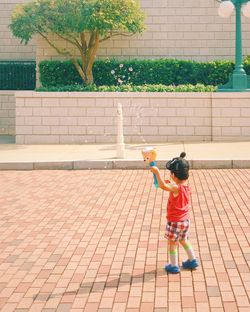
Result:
82,23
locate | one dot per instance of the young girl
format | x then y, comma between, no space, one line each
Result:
177,212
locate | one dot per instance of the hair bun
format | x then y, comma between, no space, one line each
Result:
183,154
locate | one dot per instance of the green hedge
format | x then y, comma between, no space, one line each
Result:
130,88
17,75
140,72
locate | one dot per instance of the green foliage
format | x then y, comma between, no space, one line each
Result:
72,17
83,24
116,15
247,59
17,75
247,65
28,19
53,73
164,71
139,72
129,88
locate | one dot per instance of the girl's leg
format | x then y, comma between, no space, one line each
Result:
173,252
188,248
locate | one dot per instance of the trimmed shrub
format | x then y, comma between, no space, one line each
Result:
139,72
53,73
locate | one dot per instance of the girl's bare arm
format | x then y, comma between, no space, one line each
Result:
164,186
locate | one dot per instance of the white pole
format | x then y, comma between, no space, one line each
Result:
120,147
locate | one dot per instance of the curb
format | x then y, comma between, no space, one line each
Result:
121,164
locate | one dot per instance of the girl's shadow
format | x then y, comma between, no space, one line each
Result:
99,286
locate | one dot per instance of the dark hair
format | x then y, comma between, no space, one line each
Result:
179,166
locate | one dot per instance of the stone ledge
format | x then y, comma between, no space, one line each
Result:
53,165
120,164
17,166
34,94
239,164
212,164
208,95
92,164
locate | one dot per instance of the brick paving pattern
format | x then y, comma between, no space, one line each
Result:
93,241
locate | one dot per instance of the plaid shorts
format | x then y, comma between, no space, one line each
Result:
176,231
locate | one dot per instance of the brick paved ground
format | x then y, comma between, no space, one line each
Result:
93,241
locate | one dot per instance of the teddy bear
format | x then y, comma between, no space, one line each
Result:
149,156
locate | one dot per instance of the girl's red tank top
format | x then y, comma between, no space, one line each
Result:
178,207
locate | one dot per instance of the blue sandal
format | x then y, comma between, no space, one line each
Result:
190,264
173,269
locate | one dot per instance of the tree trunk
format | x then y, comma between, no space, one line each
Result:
88,54
90,57
79,69
89,77
86,75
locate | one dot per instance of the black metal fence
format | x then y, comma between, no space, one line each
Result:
17,75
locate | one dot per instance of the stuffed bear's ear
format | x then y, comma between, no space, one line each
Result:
153,155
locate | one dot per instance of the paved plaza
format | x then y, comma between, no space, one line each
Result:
92,240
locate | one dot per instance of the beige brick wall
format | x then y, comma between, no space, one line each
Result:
175,29
10,47
7,113
231,116
80,118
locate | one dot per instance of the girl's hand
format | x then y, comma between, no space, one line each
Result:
154,170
